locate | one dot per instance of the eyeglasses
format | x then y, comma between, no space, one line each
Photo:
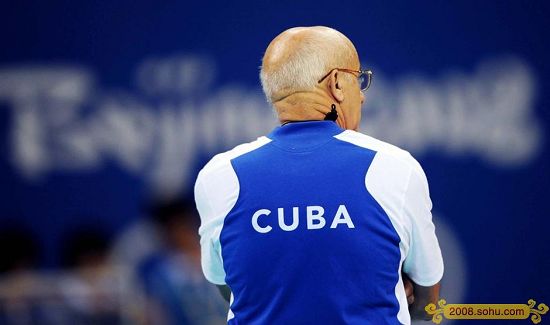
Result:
364,77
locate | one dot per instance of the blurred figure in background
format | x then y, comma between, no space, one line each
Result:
90,289
176,290
18,257
18,249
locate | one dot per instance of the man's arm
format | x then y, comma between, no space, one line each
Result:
225,292
419,297
212,189
423,265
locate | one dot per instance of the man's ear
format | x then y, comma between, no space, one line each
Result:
335,87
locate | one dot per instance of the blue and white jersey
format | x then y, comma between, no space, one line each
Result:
313,224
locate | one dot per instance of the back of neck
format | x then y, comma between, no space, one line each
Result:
302,106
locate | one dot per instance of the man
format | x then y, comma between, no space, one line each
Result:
315,222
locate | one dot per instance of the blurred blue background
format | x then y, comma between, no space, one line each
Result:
108,108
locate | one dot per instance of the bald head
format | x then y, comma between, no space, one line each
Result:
298,57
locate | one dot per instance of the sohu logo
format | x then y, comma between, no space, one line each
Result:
314,219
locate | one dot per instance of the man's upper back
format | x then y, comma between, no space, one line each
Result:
312,224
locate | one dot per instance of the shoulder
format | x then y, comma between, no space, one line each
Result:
385,151
217,187
219,163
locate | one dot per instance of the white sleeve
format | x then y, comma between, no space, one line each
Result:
424,263
216,191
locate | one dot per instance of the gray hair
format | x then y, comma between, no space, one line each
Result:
309,60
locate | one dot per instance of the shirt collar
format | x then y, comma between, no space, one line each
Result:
304,134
